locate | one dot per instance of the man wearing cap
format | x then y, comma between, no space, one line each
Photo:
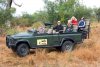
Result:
81,24
58,27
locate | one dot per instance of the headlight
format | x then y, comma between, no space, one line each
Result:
10,40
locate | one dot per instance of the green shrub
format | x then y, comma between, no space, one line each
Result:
36,25
11,31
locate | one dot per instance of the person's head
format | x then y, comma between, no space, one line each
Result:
73,18
69,23
82,18
58,23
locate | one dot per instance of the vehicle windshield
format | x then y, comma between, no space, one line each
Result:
31,31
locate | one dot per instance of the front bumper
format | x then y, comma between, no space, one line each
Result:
9,41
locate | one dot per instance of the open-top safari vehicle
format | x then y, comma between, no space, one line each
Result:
21,43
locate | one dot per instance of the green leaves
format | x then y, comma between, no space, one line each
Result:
62,9
98,14
4,16
82,11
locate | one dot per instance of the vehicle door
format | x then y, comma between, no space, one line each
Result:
43,40
56,39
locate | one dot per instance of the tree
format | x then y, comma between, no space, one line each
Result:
5,14
40,16
9,3
82,11
98,14
50,8
65,9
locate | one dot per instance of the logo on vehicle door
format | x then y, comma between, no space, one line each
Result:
42,42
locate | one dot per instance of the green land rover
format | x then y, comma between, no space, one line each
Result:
21,43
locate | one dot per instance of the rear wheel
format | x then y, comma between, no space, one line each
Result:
67,46
22,49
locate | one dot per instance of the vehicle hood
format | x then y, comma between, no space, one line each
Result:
23,34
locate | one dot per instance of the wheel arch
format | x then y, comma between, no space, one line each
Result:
67,39
20,42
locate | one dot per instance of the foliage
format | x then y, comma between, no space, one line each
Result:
65,9
50,8
20,21
3,4
11,31
97,11
53,11
36,25
82,11
28,20
40,16
5,14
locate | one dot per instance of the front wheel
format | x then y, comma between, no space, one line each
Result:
22,50
67,46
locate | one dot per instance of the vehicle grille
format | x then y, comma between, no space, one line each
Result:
9,40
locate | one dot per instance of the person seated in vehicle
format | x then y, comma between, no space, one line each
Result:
50,31
81,24
58,28
41,29
69,27
74,23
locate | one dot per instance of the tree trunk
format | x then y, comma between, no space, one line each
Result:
9,3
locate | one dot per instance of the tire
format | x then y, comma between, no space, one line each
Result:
67,46
22,50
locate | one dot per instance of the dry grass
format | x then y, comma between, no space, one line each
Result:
86,54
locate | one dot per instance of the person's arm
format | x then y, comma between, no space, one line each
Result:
84,24
79,24
60,29
54,27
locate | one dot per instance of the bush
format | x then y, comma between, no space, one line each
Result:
36,25
11,31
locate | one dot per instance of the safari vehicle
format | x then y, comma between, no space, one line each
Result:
21,43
